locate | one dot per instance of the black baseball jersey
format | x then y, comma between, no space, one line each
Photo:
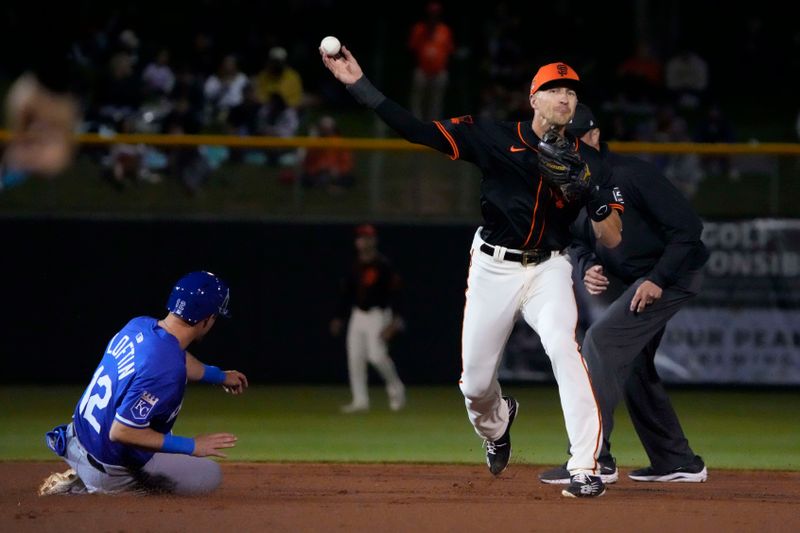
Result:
519,208
369,284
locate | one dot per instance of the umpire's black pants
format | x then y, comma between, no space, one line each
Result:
619,349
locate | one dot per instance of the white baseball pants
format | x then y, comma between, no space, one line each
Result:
364,344
497,291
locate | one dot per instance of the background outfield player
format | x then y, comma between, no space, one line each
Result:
657,269
518,264
369,298
120,437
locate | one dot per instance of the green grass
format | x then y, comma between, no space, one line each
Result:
745,430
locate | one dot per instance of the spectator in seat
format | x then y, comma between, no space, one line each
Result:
687,78
158,77
641,75
188,164
331,168
279,120
278,77
431,41
126,162
225,89
244,119
119,94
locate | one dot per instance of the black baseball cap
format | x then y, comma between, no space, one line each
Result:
582,122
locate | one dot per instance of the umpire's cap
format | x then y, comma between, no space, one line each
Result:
199,295
554,73
582,122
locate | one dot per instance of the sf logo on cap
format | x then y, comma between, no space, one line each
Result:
562,69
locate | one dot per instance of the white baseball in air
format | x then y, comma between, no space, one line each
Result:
330,45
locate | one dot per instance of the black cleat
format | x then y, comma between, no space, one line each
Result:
499,452
584,486
694,472
560,475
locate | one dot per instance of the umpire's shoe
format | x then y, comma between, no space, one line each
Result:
694,472
560,475
584,486
499,452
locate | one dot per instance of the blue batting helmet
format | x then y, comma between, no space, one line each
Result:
199,295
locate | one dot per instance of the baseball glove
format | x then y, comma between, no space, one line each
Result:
561,166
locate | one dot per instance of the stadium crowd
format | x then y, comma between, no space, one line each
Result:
135,73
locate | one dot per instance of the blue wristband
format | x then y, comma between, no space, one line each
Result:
176,444
213,374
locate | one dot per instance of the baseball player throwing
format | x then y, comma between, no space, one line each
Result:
120,437
534,184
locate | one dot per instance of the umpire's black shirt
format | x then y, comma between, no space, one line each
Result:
661,232
520,210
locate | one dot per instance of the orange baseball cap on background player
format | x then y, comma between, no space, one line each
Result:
366,230
555,72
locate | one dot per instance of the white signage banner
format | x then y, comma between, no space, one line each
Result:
743,327
719,345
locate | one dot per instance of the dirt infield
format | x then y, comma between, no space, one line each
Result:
336,497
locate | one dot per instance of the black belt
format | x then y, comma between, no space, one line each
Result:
527,257
95,463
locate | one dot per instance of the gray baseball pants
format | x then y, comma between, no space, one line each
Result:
619,349
165,472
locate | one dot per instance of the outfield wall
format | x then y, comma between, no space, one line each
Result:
69,284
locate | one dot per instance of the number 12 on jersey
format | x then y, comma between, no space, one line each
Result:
94,400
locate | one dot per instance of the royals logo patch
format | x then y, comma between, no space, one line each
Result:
143,406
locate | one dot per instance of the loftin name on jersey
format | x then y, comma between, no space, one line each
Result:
123,352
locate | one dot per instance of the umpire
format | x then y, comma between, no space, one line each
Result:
659,265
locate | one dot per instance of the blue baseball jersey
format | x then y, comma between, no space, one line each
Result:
140,382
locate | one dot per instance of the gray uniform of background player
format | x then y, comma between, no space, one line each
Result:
661,245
